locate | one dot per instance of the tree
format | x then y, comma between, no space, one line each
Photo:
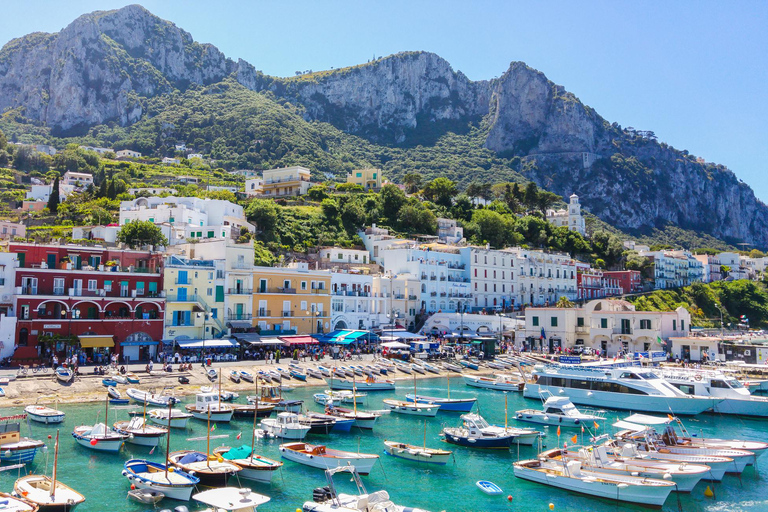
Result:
330,210
415,218
493,228
531,196
54,199
392,199
545,199
111,191
412,182
440,191
564,303
349,187
264,213
318,193
141,232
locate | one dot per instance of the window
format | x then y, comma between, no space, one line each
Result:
303,305
580,321
535,321
303,285
682,325
91,285
359,175
140,288
58,286
553,321
210,276
674,325
107,286
209,291
603,323
286,284
645,324
210,234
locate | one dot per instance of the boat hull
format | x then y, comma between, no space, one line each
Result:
48,419
645,495
218,416
446,404
175,422
644,403
411,409
136,472
476,382
144,440
363,465
100,446
416,455
556,421
756,408
495,443
17,455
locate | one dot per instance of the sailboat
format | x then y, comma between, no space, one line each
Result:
99,436
361,419
154,476
446,404
48,494
139,431
14,504
254,467
413,408
417,453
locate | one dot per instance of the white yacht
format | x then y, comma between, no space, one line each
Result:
736,397
560,411
615,387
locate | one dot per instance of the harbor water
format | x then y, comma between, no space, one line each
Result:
97,475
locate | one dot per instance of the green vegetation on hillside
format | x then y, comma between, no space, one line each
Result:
702,300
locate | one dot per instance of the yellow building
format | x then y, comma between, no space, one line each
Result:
291,299
288,181
194,299
369,179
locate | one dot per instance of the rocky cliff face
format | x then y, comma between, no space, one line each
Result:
102,67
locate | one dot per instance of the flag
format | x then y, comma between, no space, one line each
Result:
152,450
582,429
213,427
596,425
239,435
543,336
575,439
659,340
558,431
671,418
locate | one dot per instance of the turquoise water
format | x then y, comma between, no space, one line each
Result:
435,488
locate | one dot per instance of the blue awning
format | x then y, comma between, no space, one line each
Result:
346,337
138,343
207,343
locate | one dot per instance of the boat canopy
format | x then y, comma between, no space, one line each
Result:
395,344
241,452
231,498
629,426
645,419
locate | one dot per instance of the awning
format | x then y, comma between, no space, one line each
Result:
247,337
629,426
645,419
267,341
403,335
206,343
299,340
91,341
346,337
395,344
138,343
240,324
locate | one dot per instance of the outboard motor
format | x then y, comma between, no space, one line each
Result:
181,508
321,494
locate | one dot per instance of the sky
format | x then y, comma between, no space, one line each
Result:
695,73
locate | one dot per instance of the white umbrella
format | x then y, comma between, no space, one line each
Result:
395,344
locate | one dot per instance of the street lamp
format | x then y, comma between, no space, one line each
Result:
461,310
392,316
312,315
205,316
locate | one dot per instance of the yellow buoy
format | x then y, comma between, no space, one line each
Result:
551,506
171,470
708,492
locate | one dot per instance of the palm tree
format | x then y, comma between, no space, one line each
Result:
564,303
412,182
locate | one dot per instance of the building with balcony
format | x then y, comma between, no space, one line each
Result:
495,285
352,301
449,231
369,179
254,187
396,300
570,218
673,269
195,292
292,299
629,281
8,264
183,218
544,277
286,182
235,261
10,230
127,153
611,326
79,180
104,300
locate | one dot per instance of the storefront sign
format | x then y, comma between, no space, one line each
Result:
51,326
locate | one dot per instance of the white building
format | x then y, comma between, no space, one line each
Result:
168,160
194,155
395,300
127,153
494,278
107,234
611,326
471,325
40,192
570,218
673,269
154,191
448,231
181,147
254,187
543,277
352,301
331,255
288,181
10,230
182,218
76,179
98,150
8,265
245,173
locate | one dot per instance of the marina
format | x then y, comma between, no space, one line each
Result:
291,484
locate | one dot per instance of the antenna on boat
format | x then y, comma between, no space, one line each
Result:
505,410
168,438
55,463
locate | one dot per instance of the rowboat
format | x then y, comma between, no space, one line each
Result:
430,368
149,398
322,457
115,398
132,378
445,404
98,437
231,499
209,470
498,383
264,410
315,374
285,425
298,374
64,375
360,419
489,487
146,496
341,424
452,367
178,419
324,371
234,376
120,379
572,477
13,504
212,374
154,476
246,376
418,368
108,382
283,372
469,364
417,453
369,384
14,448
418,409
139,432
254,467
43,414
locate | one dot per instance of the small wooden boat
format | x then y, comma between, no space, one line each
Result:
286,425
248,410
208,469
415,409
445,404
254,467
323,370
489,487
246,376
369,384
283,373
298,374
209,406
315,374
120,379
318,424
11,503
15,449
212,374
231,499
404,368
322,457
43,414
150,398
108,382
452,367
418,368
360,419
234,376
115,398
146,496
132,378
469,364
139,432
178,418
157,477
498,383
64,375
417,453
98,437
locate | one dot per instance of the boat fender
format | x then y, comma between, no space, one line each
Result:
124,473
576,421
519,415
560,419
311,456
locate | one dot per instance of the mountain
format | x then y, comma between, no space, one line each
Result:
119,68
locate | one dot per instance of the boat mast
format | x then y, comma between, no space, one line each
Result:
354,395
168,438
505,410
425,434
106,413
208,442
55,463
448,375
255,414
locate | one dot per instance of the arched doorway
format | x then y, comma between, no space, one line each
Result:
341,324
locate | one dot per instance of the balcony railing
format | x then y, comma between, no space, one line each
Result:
286,314
239,291
319,291
264,312
241,316
622,330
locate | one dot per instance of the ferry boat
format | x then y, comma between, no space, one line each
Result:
736,397
615,387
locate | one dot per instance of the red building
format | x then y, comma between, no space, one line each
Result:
104,301
630,281
589,282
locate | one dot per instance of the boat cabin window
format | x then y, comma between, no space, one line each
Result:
628,375
685,388
479,423
735,384
647,375
717,383
554,410
580,384
612,387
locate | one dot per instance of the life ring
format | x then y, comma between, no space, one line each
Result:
697,377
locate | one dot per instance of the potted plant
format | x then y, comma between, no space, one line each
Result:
64,262
111,266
